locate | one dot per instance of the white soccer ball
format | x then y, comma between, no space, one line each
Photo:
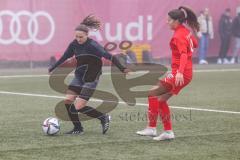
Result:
51,126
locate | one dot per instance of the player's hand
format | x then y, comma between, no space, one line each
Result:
179,80
49,71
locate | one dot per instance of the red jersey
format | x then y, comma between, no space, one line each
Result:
182,45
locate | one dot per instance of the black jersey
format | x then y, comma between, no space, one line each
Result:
88,49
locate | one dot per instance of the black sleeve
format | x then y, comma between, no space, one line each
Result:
67,54
101,50
108,56
117,63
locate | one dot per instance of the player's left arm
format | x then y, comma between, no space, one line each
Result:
182,47
112,58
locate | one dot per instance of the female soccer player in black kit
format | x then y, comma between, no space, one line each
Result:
82,86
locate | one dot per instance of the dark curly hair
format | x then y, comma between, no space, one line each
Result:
90,22
185,15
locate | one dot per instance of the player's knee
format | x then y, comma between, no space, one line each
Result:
161,99
152,92
80,104
165,97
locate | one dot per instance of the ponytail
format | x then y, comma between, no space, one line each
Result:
185,15
191,18
90,22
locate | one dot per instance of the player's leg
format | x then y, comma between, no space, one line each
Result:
153,110
153,98
81,106
72,112
165,115
164,109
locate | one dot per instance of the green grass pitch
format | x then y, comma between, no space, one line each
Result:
200,135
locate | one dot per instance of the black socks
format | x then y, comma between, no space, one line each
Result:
89,111
73,115
92,112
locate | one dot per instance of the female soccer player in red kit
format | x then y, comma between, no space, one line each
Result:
182,45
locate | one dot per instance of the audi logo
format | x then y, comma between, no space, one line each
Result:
15,27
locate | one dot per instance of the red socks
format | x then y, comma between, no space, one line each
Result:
159,107
153,111
165,115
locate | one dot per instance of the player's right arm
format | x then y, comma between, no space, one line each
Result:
67,54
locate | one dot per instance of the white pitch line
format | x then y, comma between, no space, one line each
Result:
120,102
217,70
25,76
205,110
108,73
31,94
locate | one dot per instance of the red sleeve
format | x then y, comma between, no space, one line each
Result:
182,46
183,62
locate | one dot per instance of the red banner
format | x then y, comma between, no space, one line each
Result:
36,30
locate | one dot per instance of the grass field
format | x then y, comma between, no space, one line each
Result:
200,134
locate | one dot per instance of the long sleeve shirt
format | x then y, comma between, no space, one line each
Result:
91,49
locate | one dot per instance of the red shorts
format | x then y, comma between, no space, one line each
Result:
169,82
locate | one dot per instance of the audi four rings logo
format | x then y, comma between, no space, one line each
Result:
15,27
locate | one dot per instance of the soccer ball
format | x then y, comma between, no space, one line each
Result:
51,126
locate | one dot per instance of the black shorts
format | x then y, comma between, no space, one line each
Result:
84,90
